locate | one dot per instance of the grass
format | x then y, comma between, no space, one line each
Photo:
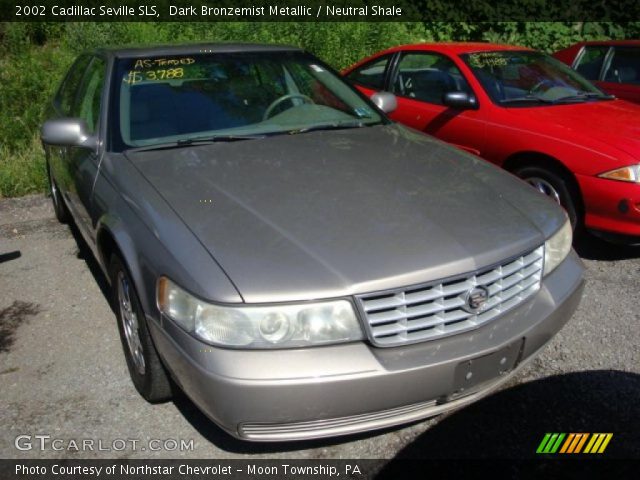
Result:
22,171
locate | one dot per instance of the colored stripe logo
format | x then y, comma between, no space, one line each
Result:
574,443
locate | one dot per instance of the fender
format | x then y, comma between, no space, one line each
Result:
112,228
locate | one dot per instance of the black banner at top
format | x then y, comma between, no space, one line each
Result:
319,10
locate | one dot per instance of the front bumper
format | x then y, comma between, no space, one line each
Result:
335,390
611,207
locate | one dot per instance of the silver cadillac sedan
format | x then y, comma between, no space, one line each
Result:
295,262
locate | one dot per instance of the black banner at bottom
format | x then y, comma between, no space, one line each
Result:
66,469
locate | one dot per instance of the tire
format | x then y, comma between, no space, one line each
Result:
559,187
145,367
59,207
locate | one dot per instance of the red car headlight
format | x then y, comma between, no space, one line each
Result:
624,174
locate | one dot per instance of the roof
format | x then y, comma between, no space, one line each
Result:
458,47
181,49
448,48
611,42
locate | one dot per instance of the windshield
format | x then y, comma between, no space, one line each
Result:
230,95
527,77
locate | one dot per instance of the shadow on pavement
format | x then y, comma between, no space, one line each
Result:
512,422
590,247
11,318
6,257
85,253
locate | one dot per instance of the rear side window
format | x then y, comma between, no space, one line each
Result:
88,105
428,77
66,97
371,74
590,61
624,66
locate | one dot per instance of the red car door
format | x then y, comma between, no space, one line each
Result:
420,80
420,105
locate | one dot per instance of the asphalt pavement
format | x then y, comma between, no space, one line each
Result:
63,375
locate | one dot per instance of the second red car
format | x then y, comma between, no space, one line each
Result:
613,65
527,112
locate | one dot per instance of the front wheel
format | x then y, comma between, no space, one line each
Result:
557,186
147,372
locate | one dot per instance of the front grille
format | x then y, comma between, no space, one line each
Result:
427,312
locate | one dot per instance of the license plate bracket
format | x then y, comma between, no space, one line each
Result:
472,373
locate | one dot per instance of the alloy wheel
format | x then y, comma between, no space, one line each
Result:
130,324
544,187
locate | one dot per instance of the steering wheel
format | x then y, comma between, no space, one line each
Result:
537,86
284,98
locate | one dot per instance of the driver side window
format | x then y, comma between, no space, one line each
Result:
371,74
428,77
590,61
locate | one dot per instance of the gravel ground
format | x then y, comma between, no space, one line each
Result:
63,374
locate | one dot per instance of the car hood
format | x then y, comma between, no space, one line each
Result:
613,122
331,213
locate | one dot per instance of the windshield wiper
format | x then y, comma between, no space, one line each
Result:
528,99
219,138
332,126
186,142
578,97
584,96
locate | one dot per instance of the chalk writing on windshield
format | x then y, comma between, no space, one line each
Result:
487,59
146,63
132,76
156,69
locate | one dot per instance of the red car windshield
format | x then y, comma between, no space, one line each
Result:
526,77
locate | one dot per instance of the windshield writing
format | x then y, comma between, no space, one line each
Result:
529,78
173,99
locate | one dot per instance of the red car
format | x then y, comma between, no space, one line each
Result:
613,65
527,112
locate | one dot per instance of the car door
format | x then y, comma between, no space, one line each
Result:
420,81
63,106
621,73
82,163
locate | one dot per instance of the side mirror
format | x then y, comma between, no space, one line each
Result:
385,101
460,100
68,132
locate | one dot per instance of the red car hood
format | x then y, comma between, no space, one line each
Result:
614,122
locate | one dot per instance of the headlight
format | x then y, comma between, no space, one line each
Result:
557,248
624,174
274,326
